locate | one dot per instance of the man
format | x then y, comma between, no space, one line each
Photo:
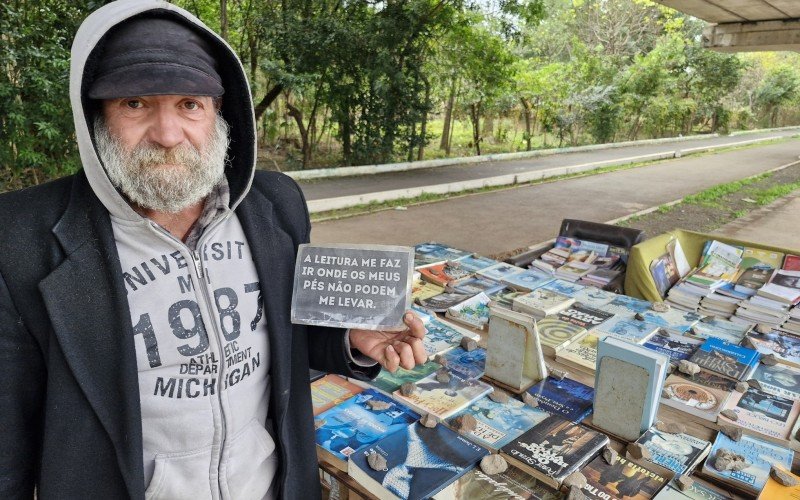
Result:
145,342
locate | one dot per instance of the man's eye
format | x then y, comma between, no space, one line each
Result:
133,104
191,105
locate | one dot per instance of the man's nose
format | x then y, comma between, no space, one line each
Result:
166,129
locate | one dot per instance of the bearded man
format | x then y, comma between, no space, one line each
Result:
145,342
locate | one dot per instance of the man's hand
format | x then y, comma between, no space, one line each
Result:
393,349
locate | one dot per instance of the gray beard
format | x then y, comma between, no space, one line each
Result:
140,175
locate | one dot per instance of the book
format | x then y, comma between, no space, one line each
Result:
720,264
625,478
773,489
680,453
553,449
759,456
440,338
628,329
473,312
583,316
555,334
422,290
791,262
674,319
759,257
527,280
541,302
678,257
499,271
475,263
763,414
702,395
343,429
331,390
566,398
726,359
421,462
780,380
628,306
511,484
696,491
443,301
444,400
470,364
388,382
500,423
574,270
627,385
436,253
750,280
783,346
594,297
563,287
719,328
581,353
447,273
676,347
505,297
664,273
514,353
477,285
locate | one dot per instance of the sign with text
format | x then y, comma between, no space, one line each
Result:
352,286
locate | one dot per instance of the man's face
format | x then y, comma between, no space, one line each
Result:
164,152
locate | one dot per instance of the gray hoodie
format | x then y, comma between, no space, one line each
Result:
200,335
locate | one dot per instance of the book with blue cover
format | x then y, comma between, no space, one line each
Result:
726,359
440,338
528,280
420,463
477,285
566,397
679,453
759,456
674,319
388,382
436,253
511,484
499,423
627,329
345,428
720,328
677,347
444,399
780,380
564,287
475,263
628,306
594,297
469,364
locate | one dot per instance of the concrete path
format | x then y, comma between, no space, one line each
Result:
518,217
777,223
348,186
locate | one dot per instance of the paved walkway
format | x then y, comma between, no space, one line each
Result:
777,224
345,186
504,220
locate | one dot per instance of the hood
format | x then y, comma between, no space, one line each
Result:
237,107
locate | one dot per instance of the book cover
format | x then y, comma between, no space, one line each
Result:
477,285
768,416
528,280
679,453
469,364
677,347
720,328
780,380
541,302
436,253
475,263
759,257
629,305
500,423
505,297
791,262
331,390
696,491
473,312
566,397
444,274
444,399
628,329
554,334
583,316
345,428
773,489
581,353
594,297
511,484
627,385
564,287
759,455
784,346
702,395
674,319
500,271
624,479
443,301
440,338
554,448
422,290
420,462
389,382
726,359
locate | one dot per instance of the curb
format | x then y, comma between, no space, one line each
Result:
341,202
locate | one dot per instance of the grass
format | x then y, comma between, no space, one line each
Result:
711,196
430,197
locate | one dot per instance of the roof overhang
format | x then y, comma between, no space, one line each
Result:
745,25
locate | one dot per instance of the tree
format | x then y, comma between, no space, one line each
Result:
780,87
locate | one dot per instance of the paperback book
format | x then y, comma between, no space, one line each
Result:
353,424
423,290
677,347
784,346
553,449
566,398
702,395
680,453
766,415
720,328
473,312
448,273
628,306
444,399
627,329
477,285
475,263
564,287
594,297
581,354
436,253
674,319
388,382
440,338
759,456
331,390
443,301
499,423
541,302
780,380
726,359
421,462
624,479
469,364
527,280
583,316
555,334
696,491
511,484
500,271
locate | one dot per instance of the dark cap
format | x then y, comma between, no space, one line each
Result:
151,56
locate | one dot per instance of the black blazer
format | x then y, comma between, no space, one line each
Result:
70,421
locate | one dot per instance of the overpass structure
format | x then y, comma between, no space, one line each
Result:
745,25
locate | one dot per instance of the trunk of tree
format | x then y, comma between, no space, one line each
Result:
475,118
305,146
423,128
223,19
347,147
268,99
444,143
526,113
